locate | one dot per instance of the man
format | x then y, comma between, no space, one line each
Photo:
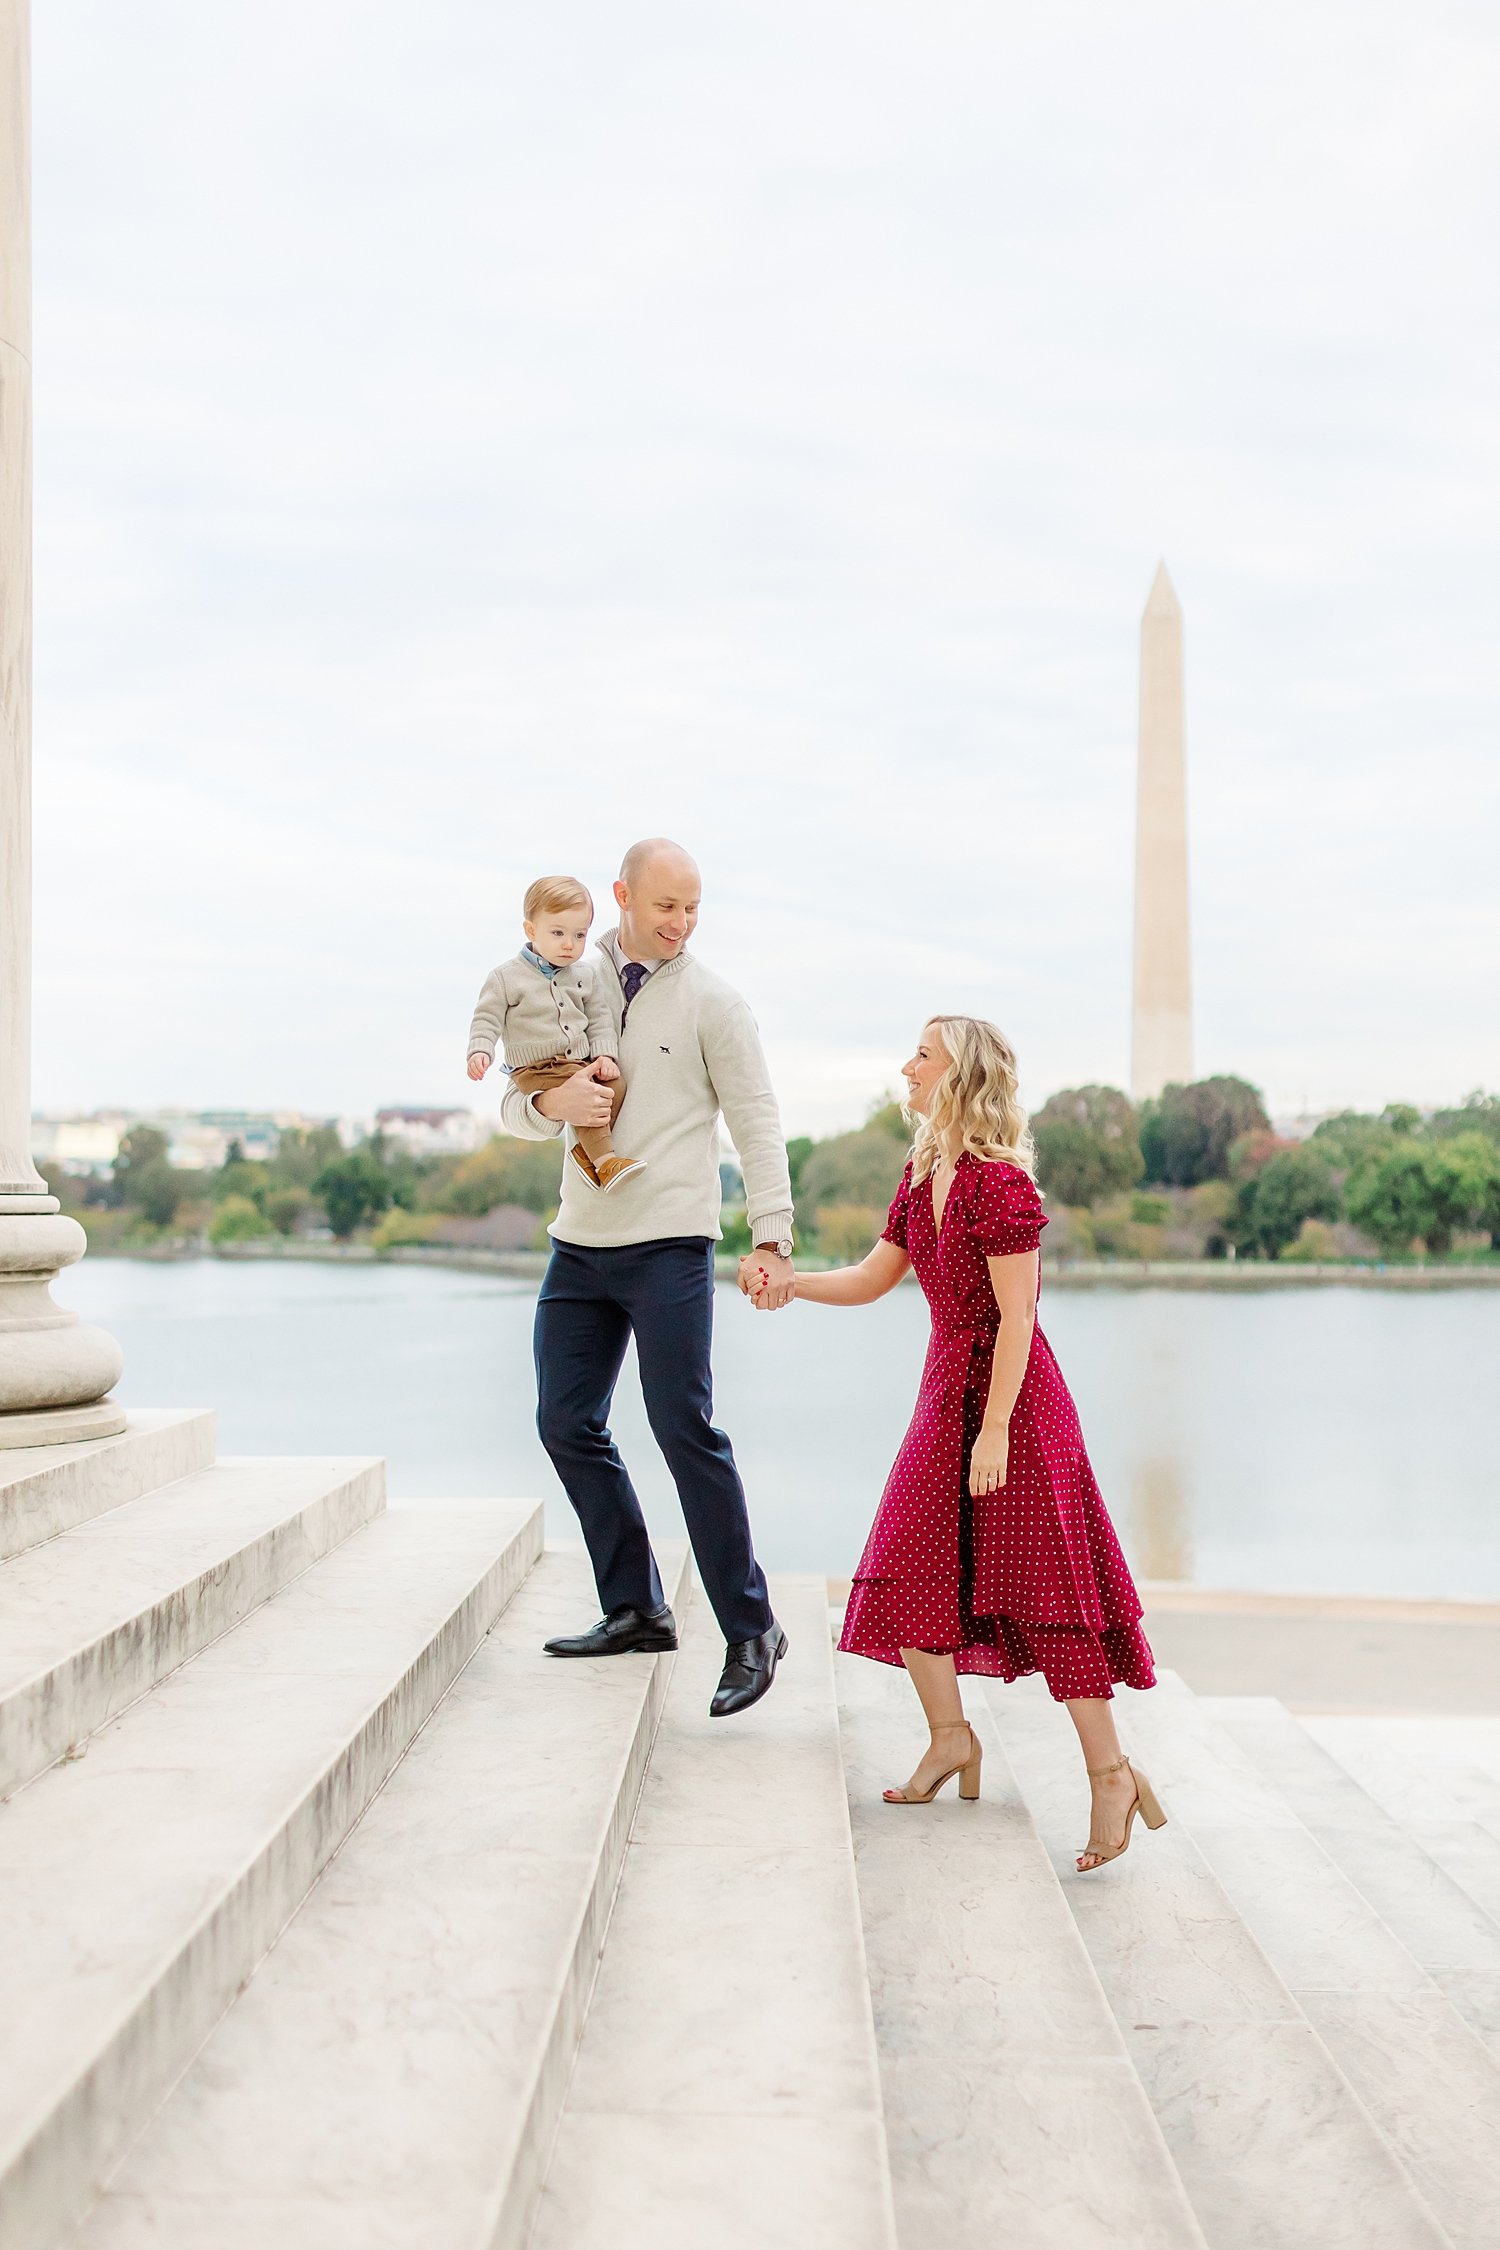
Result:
641,1260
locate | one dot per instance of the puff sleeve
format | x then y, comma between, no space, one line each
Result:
1006,1214
895,1225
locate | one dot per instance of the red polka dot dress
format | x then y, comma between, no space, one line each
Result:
1028,1579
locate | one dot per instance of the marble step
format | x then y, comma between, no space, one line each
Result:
392,2074
726,2087
997,2045
142,1883
45,1489
1272,2145
99,1614
1420,1772
1421,2072
1422,1768
1435,1919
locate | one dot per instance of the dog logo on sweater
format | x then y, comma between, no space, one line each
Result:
666,1050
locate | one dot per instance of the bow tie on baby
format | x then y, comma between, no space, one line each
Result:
633,976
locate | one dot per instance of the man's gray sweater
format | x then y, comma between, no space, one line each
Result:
688,1051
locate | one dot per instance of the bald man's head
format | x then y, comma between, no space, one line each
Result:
658,896
650,852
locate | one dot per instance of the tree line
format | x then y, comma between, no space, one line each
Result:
1198,1172
311,1183
1391,1182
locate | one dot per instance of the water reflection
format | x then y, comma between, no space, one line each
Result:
1160,1530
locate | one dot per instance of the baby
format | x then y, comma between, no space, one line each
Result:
548,1010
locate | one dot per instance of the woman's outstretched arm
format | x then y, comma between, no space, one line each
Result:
856,1285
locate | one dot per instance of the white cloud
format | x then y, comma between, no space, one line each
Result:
469,438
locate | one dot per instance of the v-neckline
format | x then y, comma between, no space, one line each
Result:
939,1216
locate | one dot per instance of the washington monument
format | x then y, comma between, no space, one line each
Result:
1161,1029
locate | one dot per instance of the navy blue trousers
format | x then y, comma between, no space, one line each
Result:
663,1292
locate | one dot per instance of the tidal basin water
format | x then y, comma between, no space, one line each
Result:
1326,1439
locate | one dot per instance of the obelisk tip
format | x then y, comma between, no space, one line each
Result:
1162,600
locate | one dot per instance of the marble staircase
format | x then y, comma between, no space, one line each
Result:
337,1917
47,1489
394,2073
727,2084
97,1615
1422,2073
253,1653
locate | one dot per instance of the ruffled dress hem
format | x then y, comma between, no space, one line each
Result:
1074,1660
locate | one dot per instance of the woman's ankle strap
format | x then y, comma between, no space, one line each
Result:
1098,1773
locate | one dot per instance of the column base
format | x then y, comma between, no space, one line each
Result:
50,1363
61,1425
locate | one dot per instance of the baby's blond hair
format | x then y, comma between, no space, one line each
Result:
554,894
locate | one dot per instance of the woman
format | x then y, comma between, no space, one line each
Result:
991,1551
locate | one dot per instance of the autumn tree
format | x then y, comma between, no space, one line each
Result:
861,1169
1188,1131
503,1171
1088,1144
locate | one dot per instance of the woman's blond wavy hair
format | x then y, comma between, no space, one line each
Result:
975,1107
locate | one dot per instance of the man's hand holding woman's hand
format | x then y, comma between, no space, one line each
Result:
768,1280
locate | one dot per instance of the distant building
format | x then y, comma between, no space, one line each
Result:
192,1147
433,1132
1302,1126
78,1144
257,1132
198,1140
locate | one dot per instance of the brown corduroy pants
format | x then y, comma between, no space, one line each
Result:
539,1078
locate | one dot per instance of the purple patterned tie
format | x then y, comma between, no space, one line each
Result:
633,976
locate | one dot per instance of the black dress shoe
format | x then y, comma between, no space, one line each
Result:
622,1633
749,1669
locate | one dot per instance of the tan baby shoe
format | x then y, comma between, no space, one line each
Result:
617,1168
585,1166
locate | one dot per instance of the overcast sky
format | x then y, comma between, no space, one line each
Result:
470,436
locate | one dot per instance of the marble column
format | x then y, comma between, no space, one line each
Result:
1161,1045
53,1371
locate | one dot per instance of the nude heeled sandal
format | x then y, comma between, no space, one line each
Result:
967,1770
1146,1803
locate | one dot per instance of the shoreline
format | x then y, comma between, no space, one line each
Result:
529,1265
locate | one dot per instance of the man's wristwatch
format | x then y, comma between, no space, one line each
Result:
782,1247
